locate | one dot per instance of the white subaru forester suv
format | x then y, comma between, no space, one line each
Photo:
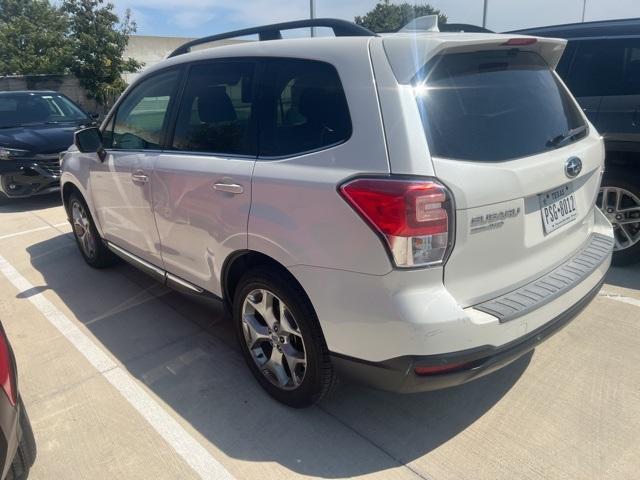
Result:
412,211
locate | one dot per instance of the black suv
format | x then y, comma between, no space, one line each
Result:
35,126
601,66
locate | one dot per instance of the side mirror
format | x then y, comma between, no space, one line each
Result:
89,140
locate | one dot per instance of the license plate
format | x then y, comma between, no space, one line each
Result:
558,207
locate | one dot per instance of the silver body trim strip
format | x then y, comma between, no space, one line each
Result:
166,277
183,283
135,259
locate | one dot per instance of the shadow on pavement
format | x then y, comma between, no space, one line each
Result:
625,277
40,202
186,353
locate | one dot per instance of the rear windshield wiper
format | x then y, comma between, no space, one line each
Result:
564,138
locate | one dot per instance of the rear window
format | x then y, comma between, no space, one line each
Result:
493,106
305,108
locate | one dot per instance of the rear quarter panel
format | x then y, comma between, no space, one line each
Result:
297,215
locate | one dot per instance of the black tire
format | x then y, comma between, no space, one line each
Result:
319,376
630,183
101,256
26,453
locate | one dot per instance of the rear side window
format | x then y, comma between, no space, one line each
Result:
605,68
493,105
216,111
305,108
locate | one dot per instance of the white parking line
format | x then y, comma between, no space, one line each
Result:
24,232
192,452
620,298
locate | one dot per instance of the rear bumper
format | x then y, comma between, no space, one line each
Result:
398,374
25,178
380,328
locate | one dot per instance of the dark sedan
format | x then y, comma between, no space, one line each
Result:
35,127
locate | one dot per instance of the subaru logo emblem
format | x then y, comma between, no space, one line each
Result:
573,167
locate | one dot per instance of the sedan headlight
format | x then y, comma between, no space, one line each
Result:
7,153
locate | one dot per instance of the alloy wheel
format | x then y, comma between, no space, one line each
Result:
274,339
82,229
622,208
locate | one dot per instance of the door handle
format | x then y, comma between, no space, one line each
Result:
139,177
228,187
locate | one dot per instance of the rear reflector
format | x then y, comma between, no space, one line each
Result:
413,216
517,42
6,371
438,369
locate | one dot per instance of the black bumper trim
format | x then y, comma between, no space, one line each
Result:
397,373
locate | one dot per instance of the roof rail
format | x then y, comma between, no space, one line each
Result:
341,28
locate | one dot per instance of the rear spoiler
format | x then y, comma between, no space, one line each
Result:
408,53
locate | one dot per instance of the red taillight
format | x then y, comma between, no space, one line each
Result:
521,41
6,370
414,216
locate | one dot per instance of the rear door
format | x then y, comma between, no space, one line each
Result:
495,122
202,181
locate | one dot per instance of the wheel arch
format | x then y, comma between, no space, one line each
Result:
240,262
67,189
72,185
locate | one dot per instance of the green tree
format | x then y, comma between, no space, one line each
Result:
390,17
98,40
32,38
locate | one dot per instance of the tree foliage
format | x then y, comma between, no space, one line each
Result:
98,40
82,37
32,38
390,17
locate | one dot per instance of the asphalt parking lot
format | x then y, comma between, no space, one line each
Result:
124,378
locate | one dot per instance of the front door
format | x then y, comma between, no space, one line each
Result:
201,184
121,185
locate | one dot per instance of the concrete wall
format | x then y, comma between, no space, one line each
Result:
151,50
65,84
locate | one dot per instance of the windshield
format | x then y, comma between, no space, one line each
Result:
29,108
494,105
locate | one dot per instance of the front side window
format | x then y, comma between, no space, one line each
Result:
494,105
305,108
216,110
140,119
606,68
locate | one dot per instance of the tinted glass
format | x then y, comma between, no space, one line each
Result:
24,109
216,110
493,105
141,116
305,108
606,67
